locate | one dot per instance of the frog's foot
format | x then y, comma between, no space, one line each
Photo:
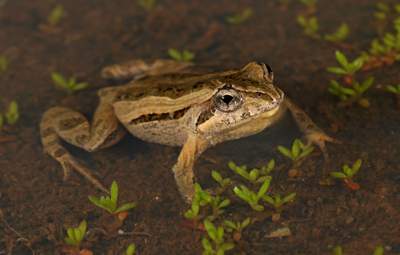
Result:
317,137
136,69
183,169
61,123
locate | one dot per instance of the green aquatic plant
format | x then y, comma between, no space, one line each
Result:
297,152
3,64
76,235
236,227
349,94
339,35
201,198
11,116
347,174
70,85
379,250
131,249
382,11
240,17
346,67
337,250
395,89
218,205
252,198
110,203
223,182
215,243
56,14
254,175
277,201
185,55
148,5
310,25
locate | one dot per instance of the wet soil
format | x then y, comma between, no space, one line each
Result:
37,206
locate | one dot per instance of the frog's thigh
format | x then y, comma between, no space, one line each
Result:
183,169
138,68
313,133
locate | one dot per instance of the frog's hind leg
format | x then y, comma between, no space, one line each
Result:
138,68
61,123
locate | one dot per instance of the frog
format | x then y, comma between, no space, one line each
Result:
168,102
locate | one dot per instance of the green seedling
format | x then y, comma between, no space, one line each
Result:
353,93
240,17
395,89
131,249
237,227
201,198
223,182
215,243
70,85
3,64
309,3
251,197
148,5
346,68
277,202
76,235
185,55
382,11
254,175
310,25
339,35
297,152
110,203
337,250
348,173
56,14
217,206
379,250
12,114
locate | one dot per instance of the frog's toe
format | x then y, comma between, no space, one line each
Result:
320,139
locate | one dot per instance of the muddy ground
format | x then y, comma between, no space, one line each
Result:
37,206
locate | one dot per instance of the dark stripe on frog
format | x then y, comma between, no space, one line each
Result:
157,117
71,123
204,116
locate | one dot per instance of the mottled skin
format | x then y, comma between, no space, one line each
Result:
166,104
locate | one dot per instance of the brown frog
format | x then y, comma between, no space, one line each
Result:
167,104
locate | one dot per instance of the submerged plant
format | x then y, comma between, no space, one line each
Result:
131,249
237,227
310,25
76,235
395,89
349,94
337,250
185,55
339,35
254,175
70,85
11,116
110,203
347,174
297,152
251,197
215,243
56,14
240,17
223,182
3,64
277,202
148,5
346,67
201,198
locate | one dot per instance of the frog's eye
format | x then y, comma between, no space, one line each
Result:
227,100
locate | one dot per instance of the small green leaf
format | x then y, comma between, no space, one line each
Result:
216,176
131,250
337,250
379,250
56,14
341,58
175,54
206,245
12,114
264,187
227,246
114,192
269,199
125,207
284,151
295,149
338,175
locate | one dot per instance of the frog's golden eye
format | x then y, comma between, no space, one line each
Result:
227,100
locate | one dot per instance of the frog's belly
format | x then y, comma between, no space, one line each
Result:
166,132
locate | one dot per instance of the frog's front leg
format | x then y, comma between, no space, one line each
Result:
60,123
138,68
312,132
183,169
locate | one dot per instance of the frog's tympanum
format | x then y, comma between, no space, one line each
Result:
165,102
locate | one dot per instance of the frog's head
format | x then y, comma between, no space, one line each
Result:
244,95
